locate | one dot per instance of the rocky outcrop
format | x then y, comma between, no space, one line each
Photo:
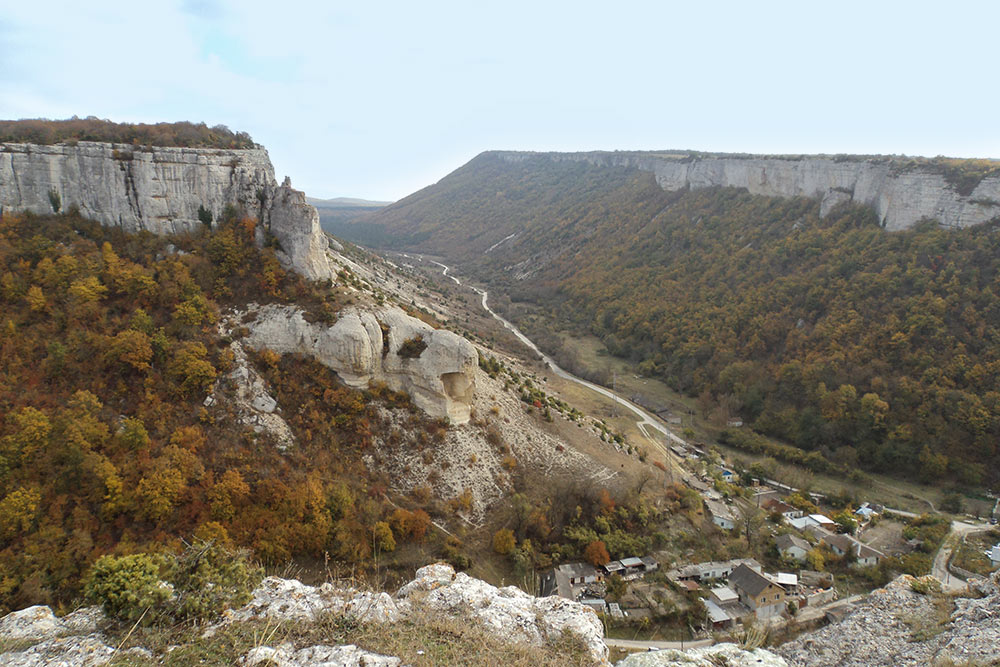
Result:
434,366
900,197
317,656
897,625
730,655
507,612
251,397
161,190
437,590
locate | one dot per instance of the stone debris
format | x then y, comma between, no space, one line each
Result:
508,611
86,651
38,622
290,600
729,655
317,656
251,397
896,625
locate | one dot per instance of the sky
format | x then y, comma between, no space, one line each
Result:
379,99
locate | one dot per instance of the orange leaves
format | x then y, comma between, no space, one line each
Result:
131,349
596,553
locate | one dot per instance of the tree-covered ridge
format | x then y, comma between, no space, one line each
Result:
181,134
875,348
872,348
108,350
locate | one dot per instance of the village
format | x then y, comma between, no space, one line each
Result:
819,557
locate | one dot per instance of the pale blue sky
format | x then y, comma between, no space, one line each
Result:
378,99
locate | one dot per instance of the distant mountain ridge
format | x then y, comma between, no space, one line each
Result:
903,190
346,202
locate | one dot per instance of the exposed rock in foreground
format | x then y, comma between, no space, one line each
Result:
896,625
437,592
434,366
730,655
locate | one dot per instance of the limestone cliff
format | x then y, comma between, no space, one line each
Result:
161,189
901,196
366,345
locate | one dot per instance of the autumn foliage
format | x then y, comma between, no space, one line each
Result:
108,348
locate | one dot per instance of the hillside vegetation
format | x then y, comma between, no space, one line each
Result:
864,347
191,135
109,348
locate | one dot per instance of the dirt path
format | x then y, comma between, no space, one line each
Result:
645,421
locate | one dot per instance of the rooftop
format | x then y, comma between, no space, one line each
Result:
725,594
749,580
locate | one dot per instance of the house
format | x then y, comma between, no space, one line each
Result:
775,506
721,516
717,616
711,569
786,580
727,474
581,573
633,567
561,580
649,564
614,567
865,556
792,546
810,520
723,595
867,511
994,555
763,596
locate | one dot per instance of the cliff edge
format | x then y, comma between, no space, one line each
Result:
163,190
902,192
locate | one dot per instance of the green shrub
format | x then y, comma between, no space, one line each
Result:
208,579
412,347
199,583
126,586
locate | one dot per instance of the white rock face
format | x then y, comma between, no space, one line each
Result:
86,651
39,622
317,656
290,600
160,190
900,198
251,396
897,626
441,381
730,655
506,612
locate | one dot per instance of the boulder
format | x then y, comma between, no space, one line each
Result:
317,656
730,655
365,346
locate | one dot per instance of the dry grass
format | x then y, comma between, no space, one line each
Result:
421,641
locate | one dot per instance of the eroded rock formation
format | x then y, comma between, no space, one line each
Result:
161,190
900,196
435,367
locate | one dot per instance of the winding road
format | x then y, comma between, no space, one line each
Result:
645,421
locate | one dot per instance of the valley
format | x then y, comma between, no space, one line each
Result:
201,387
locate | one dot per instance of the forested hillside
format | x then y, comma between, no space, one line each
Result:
870,348
109,347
